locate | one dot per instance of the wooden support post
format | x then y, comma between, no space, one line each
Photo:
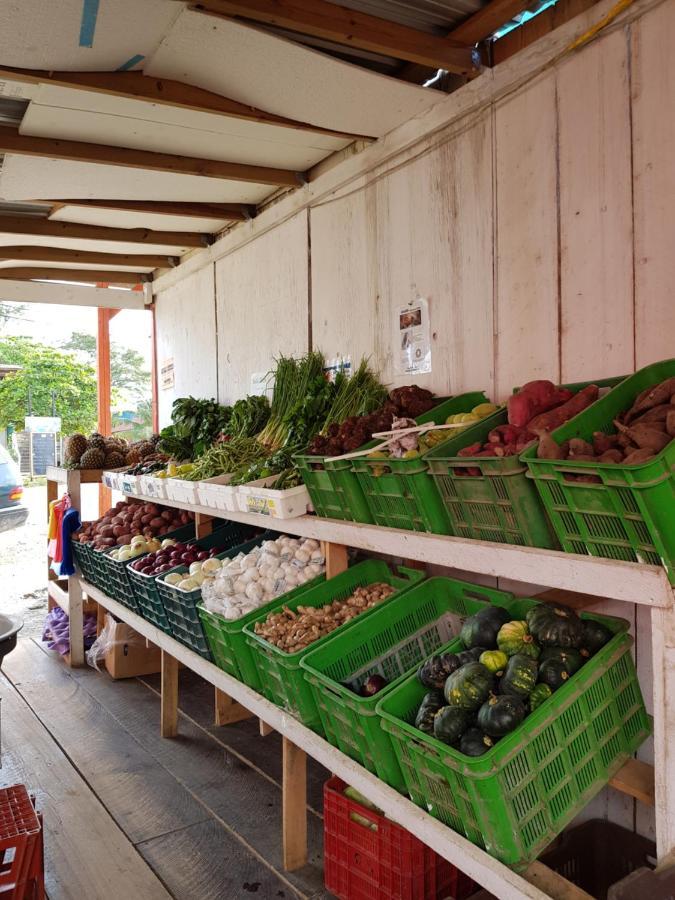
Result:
203,525
294,805
336,558
227,710
169,696
103,382
75,605
265,729
663,660
52,494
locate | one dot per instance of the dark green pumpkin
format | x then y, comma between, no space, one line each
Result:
594,637
480,630
520,676
539,695
467,656
434,672
500,715
494,661
514,637
572,658
429,706
554,673
475,743
450,724
469,687
555,626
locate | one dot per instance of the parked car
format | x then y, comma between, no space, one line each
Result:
12,511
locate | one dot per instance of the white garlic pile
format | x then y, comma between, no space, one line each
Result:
249,581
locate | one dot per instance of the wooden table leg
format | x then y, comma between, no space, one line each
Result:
336,559
294,806
228,710
75,612
169,698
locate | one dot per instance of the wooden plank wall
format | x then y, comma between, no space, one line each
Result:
540,229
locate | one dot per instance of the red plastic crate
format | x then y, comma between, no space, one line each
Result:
383,863
21,849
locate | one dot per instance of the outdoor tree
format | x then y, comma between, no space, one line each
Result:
11,311
127,366
45,370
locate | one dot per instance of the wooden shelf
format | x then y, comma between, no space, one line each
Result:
537,882
59,594
86,476
631,582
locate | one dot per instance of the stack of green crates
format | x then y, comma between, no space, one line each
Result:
630,513
516,798
281,678
144,587
393,641
401,493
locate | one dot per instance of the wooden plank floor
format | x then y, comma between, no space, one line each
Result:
203,810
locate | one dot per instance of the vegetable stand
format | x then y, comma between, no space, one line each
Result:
645,585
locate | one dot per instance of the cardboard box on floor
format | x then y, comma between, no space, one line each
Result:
130,654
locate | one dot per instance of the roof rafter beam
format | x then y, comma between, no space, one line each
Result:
49,228
137,86
85,257
88,276
11,141
350,27
487,20
231,212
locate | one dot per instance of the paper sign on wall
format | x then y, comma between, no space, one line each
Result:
167,375
412,350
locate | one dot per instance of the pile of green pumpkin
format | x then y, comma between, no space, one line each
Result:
508,669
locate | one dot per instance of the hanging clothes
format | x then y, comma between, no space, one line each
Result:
71,522
57,512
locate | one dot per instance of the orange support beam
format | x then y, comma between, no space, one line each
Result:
104,389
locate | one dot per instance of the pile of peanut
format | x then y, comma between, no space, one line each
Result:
293,631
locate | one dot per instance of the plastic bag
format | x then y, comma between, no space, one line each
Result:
103,643
56,630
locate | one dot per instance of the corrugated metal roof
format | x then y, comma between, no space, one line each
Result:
437,16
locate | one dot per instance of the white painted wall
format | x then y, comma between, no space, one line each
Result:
185,323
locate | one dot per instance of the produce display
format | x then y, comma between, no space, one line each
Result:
234,587
195,425
508,669
536,409
125,522
294,631
641,433
97,451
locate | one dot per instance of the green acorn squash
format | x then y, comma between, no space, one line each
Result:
594,637
514,637
474,743
429,706
572,658
450,724
554,673
520,676
494,661
469,686
467,656
480,630
500,715
555,626
539,695
435,670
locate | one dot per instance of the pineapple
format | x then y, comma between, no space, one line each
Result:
93,458
76,445
97,442
146,448
114,460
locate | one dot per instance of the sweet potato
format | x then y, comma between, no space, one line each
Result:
660,393
548,421
534,398
670,423
613,455
471,450
645,436
548,449
642,455
603,442
578,447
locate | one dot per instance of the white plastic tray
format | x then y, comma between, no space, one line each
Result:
150,486
181,490
217,493
256,497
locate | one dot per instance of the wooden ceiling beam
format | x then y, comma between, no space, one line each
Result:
11,141
348,27
91,258
96,276
231,212
137,86
50,228
487,20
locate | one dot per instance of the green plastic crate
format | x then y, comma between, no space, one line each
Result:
406,496
113,576
631,514
82,554
333,488
516,798
227,642
391,643
500,504
144,587
281,678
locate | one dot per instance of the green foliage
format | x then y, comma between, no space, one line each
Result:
11,311
45,370
127,366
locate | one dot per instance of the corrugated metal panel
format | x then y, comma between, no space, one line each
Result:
426,15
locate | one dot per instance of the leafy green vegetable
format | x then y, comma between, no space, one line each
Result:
195,426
